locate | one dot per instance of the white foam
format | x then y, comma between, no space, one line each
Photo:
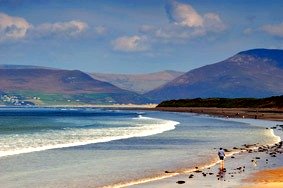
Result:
276,138
257,123
19,144
148,118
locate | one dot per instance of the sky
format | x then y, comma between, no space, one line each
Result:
135,36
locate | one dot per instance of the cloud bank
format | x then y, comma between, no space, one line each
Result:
184,23
274,30
14,28
67,29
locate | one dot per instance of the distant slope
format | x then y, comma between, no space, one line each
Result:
252,73
61,86
140,83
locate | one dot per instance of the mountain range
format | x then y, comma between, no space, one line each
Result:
252,73
139,83
54,86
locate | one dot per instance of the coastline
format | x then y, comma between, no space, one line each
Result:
207,173
240,167
274,114
238,178
243,169
251,156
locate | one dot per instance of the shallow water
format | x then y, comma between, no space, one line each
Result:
126,145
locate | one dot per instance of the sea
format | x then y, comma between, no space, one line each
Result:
92,147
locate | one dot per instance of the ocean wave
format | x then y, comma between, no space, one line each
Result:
14,144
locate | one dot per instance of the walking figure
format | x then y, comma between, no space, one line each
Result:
221,155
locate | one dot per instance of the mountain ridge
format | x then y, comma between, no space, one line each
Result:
246,74
139,83
253,73
65,85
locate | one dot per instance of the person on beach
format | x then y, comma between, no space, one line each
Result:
221,155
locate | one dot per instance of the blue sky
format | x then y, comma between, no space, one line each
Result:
135,36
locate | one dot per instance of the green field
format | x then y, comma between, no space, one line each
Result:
40,98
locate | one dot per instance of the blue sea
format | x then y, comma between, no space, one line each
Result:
90,147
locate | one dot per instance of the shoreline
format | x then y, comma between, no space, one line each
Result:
176,178
114,106
274,114
167,175
208,171
245,113
243,174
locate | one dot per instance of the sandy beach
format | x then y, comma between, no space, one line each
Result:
270,178
274,114
249,168
253,166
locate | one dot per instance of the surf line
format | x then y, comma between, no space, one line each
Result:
167,125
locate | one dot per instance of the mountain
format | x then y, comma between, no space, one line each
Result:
139,83
252,73
55,86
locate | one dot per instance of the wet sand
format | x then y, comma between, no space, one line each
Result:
239,173
272,177
275,114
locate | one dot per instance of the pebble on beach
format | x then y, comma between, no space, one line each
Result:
180,182
198,171
272,151
168,172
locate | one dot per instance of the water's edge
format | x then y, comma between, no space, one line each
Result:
213,162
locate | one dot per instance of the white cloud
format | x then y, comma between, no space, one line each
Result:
130,44
12,27
274,30
188,23
183,14
68,29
